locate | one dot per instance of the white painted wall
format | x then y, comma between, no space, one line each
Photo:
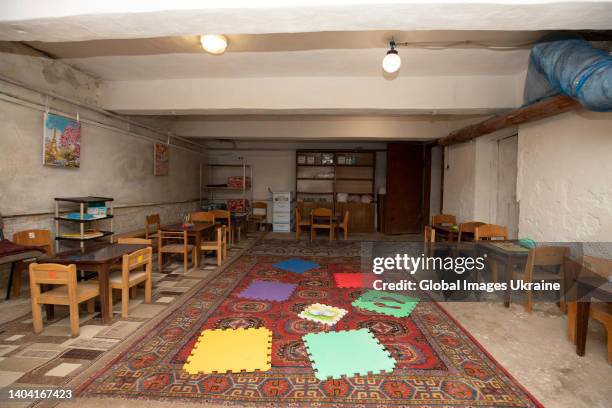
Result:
471,179
565,178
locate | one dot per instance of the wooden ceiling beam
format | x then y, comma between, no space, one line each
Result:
538,110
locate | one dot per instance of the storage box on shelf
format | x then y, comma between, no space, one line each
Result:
90,210
225,186
282,211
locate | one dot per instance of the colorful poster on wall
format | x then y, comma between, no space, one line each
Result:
61,142
161,154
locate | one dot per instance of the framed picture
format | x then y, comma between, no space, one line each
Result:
327,158
301,159
161,159
310,160
61,142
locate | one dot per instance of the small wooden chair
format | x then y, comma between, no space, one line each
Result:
202,216
226,218
546,257
34,237
490,231
183,247
468,227
68,292
259,214
321,218
129,278
219,246
152,226
344,224
600,311
443,219
300,223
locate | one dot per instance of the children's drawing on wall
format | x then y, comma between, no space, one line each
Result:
161,159
61,142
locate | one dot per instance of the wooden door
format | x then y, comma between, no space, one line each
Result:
405,207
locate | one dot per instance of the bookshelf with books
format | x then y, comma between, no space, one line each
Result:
84,214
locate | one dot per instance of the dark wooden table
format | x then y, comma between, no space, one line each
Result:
446,231
16,261
507,253
195,231
588,286
96,258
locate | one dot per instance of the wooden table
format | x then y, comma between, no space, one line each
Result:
16,261
588,287
447,231
96,258
194,230
507,253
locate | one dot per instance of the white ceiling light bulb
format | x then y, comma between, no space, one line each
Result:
392,60
214,43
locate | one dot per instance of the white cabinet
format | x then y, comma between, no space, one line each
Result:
282,211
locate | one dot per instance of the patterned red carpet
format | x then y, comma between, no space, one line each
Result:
439,364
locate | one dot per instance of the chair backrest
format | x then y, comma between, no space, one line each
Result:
490,231
139,241
202,216
468,227
441,219
223,215
137,258
1,227
173,236
52,274
35,237
260,208
546,256
154,221
319,214
430,234
600,266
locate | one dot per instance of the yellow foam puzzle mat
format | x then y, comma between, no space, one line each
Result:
231,351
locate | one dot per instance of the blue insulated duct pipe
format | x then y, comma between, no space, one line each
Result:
571,66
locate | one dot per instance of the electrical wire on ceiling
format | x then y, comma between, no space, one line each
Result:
465,43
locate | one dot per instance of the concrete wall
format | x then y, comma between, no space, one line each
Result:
112,164
565,178
116,157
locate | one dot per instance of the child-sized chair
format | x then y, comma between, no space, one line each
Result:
219,246
129,277
321,218
68,292
181,246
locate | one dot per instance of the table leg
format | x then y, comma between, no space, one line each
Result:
105,306
17,279
507,278
582,325
10,281
198,241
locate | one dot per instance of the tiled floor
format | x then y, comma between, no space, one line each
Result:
54,357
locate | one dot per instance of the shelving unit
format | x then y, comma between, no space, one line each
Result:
322,174
213,191
82,221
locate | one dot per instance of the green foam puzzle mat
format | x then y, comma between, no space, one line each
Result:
346,354
388,303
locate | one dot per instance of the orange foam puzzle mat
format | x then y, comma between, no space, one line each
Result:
231,351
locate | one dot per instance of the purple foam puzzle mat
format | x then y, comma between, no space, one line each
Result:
268,290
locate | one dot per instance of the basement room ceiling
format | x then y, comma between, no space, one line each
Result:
350,54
